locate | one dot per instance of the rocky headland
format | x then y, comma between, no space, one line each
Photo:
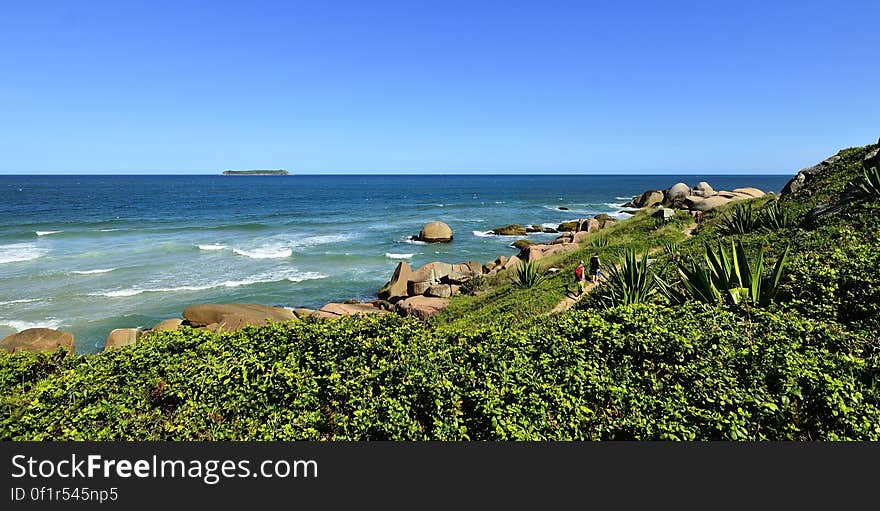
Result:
422,292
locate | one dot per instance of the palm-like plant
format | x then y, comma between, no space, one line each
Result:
599,242
527,275
775,217
741,220
869,184
630,282
727,276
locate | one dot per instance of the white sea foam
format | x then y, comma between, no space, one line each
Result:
390,255
212,247
24,325
549,225
324,239
93,272
307,276
45,233
615,204
109,230
25,300
291,275
620,214
19,252
624,198
483,234
414,242
268,252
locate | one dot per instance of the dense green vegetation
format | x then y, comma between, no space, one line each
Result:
800,361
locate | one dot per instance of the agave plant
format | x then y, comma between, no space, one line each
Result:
729,276
869,184
527,275
741,220
599,242
775,217
632,281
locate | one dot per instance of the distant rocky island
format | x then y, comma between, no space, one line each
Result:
279,172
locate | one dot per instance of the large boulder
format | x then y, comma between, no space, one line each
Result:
676,193
418,287
581,236
749,191
649,199
167,324
568,226
564,238
439,291
396,287
703,190
431,272
510,230
421,306
37,340
122,337
511,263
234,316
435,232
591,224
475,266
707,203
458,278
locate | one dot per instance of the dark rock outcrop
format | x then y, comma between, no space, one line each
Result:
805,175
510,230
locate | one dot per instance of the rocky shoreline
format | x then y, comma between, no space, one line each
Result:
422,292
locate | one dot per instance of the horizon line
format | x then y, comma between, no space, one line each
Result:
410,174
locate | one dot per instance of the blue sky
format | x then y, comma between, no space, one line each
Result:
417,86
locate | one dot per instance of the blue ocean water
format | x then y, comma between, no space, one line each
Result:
91,253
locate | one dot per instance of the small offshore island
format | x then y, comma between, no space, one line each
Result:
279,172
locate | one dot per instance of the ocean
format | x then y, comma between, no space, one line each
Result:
88,254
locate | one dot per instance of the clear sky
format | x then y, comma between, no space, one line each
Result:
325,86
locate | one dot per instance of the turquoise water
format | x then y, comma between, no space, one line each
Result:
91,253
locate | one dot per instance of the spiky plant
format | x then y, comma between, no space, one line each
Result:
599,242
869,183
631,281
727,276
527,275
775,217
740,220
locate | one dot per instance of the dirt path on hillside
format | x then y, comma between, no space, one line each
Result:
569,300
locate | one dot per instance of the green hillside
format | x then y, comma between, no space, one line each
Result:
672,348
